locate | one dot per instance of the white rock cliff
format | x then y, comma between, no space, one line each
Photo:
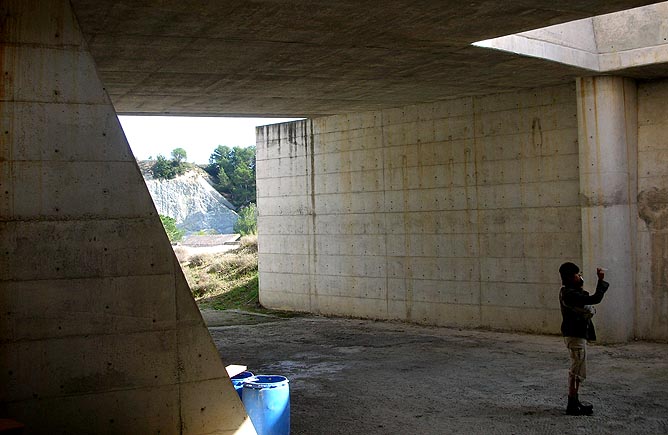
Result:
191,201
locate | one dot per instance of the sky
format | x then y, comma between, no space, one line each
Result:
150,136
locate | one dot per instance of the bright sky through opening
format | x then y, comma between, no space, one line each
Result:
150,136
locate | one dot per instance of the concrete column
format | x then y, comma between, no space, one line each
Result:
99,332
608,140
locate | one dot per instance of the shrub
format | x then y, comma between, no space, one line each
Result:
164,169
171,229
247,222
248,244
233,265
199,259
182,254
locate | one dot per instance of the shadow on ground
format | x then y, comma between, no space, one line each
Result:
351,376
216,318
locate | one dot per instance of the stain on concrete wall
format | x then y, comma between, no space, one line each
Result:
652,285
653,209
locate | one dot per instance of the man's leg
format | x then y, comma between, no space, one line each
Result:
577,348
573,385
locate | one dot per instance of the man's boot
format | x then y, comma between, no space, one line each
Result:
586,407
576,408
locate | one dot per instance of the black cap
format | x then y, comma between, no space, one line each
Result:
567,270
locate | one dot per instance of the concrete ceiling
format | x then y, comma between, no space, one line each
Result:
311,58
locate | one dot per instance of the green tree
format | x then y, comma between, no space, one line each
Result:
235,170
168,169
247,222
173,232
179,155
162,168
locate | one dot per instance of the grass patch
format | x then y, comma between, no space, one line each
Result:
228,280
244,296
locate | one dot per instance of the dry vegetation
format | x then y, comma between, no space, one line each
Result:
226,280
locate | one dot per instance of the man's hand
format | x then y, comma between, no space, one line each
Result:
600,273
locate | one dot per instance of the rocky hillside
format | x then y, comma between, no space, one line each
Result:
191,200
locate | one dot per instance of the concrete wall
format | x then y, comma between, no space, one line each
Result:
652,285
456,213
459,213
99,332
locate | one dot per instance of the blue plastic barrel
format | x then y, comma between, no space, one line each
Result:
238,381
267,402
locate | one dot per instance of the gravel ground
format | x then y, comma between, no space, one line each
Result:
351,376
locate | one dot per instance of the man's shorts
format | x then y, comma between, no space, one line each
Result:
577,348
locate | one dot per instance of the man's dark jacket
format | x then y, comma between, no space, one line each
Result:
575,322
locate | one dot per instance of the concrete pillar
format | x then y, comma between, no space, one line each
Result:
98,331
607,134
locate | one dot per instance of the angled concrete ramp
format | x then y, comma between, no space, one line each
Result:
98,331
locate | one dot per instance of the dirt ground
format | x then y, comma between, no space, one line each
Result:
184,253
350,376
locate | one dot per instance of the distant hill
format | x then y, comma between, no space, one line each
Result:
191,200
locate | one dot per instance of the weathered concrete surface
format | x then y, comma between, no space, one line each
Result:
297,58
99,332
633,29
459,213
456,213
358,376
652,237
608,143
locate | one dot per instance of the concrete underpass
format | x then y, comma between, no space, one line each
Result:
433,182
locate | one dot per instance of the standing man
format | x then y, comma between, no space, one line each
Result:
577,328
